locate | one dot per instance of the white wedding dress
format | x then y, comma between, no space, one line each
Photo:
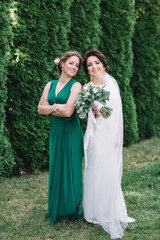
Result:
103,200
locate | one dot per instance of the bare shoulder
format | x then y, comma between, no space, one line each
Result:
76,86
48,85
46,89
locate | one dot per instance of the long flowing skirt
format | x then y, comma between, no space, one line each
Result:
65,169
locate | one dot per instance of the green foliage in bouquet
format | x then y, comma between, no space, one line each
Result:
87,97
106,111
6,154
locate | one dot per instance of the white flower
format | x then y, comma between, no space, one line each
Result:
56,61
85,87
95,90
87,94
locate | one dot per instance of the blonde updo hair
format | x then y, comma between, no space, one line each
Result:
64,58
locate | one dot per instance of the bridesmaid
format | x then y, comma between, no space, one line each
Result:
66,140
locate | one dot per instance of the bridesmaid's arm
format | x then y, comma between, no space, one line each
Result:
66,110
44,108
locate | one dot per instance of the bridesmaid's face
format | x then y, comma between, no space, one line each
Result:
95,66
71,66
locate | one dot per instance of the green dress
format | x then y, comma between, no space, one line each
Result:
65,160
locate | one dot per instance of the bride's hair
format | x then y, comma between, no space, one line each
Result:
97,54
67,55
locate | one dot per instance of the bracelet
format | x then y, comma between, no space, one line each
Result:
54,110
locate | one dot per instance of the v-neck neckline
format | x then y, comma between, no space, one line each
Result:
56,95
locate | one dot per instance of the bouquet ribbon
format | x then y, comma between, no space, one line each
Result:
100,105
90,129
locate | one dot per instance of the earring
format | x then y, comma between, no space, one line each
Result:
104,69
62,68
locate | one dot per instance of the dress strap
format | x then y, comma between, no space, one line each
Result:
53,82
71,82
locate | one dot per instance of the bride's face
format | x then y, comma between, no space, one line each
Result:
95,66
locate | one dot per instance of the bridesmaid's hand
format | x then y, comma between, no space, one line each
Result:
44,102
56,107
95,109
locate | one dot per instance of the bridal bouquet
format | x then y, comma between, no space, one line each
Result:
92,95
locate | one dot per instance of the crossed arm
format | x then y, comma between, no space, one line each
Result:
59,110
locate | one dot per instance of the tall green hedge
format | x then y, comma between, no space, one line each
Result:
41,31
85,28
6,154
117,21
85,32
39,36
146,68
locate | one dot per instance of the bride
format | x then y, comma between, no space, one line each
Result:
103,200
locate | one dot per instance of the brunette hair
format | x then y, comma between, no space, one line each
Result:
67,55
97,54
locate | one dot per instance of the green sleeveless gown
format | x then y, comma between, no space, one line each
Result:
65,160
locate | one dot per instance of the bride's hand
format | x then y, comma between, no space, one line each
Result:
95,109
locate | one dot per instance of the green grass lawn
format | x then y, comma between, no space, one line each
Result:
23,202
